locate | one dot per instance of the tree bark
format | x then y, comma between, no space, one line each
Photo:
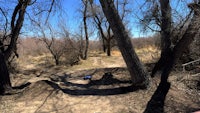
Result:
165,24
109,47
109,38
104,45
5,83
137,72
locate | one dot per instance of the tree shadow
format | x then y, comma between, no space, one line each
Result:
16,89
22,86
107,79
88,89
93,91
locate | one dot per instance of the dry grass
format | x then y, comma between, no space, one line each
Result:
67,92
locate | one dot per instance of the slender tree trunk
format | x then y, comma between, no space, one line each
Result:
108,47
86,30
103,37
137,72
5,83
109,38
104,45
57,62
86,48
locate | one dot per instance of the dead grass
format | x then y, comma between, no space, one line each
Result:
61,89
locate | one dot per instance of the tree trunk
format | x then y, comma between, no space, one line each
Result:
109,38
16,25
183,43
5,84
156,104
57,62
86,48
109,47
157,101
104,40
137,72
165,24
86,30
104,45
165,35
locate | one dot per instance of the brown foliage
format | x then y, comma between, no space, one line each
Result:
65,48
31,46
146,42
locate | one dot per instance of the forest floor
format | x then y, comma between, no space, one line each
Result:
44,88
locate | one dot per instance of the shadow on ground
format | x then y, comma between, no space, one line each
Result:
92,88
103,83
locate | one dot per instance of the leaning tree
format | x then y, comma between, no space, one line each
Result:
135,67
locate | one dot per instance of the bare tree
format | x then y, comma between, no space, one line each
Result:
56,42
172,54
137,72
99,19
166,23
9,46
85,16
55,46
5,53
103,26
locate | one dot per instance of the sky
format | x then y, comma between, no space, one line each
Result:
72,17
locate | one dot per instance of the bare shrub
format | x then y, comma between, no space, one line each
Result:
71,57
146,41
95,45
31,46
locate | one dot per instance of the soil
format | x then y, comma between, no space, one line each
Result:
61,89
